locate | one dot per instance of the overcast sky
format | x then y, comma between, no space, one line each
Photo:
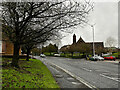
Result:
105,15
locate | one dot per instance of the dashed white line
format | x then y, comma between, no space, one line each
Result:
75,83
87,69
115,79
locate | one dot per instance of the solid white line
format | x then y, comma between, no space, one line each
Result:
54,69
110,77
78,78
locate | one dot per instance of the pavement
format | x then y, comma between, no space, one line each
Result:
80,73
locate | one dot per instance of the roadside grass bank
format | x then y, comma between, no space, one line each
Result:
31,74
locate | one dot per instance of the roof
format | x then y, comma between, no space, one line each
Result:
80,40
65,46
95,42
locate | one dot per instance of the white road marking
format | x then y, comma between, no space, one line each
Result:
54,69
70,78
115,79
87,69
78,78
105,72
75,83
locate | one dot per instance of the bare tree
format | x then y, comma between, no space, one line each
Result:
24,22
111,42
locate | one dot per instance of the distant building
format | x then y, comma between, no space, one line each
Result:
97,45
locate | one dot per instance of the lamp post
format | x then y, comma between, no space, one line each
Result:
93,40
92,26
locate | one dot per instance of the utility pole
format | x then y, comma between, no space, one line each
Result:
93,40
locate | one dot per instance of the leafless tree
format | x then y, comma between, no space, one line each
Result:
25,22
111,42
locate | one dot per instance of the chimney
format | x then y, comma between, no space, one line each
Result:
74,39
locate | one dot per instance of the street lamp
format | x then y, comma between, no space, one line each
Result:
93,40
92,26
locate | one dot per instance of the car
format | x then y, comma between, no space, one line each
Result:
95,58
110,58
57,55
42,55
92,59
100,58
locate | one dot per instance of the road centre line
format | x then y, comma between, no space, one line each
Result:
115,79
87,69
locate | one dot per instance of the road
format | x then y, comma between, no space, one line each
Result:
100,74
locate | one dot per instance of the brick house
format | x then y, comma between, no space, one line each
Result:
6,47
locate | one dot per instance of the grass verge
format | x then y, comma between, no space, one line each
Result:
32,74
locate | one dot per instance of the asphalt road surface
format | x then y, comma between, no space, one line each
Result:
100,74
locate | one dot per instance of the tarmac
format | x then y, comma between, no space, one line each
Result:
64,79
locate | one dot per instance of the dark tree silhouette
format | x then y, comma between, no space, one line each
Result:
27,21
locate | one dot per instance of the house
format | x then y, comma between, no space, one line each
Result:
6,46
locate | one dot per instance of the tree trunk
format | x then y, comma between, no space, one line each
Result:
16,55
72,54
28,53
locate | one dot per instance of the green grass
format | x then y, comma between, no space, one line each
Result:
115,54
32,74
48,54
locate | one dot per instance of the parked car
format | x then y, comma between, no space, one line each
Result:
57,55
95,58
110,58
100,58
42,55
